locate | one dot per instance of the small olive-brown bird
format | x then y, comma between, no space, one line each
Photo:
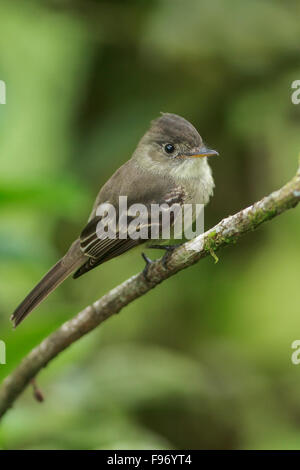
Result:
168,166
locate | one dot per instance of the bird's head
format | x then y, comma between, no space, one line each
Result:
170,142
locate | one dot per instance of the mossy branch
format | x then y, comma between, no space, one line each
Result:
227,232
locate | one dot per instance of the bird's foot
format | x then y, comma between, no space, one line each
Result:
168,251
168,248
146,268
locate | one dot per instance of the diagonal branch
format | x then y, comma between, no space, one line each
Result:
227,232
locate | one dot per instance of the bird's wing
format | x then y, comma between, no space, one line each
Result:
137,190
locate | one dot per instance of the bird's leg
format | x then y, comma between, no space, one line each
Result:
168,250
148,262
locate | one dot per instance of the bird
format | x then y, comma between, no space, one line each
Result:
169,166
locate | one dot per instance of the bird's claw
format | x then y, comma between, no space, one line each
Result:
146,268
168,251
168,248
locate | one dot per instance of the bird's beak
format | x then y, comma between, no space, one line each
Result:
201,152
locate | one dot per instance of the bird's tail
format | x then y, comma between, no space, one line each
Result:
57,274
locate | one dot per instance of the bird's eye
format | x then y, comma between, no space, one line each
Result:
169,148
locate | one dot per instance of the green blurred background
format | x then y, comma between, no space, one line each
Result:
204,360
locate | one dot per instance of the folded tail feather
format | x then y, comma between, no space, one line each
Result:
57,274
